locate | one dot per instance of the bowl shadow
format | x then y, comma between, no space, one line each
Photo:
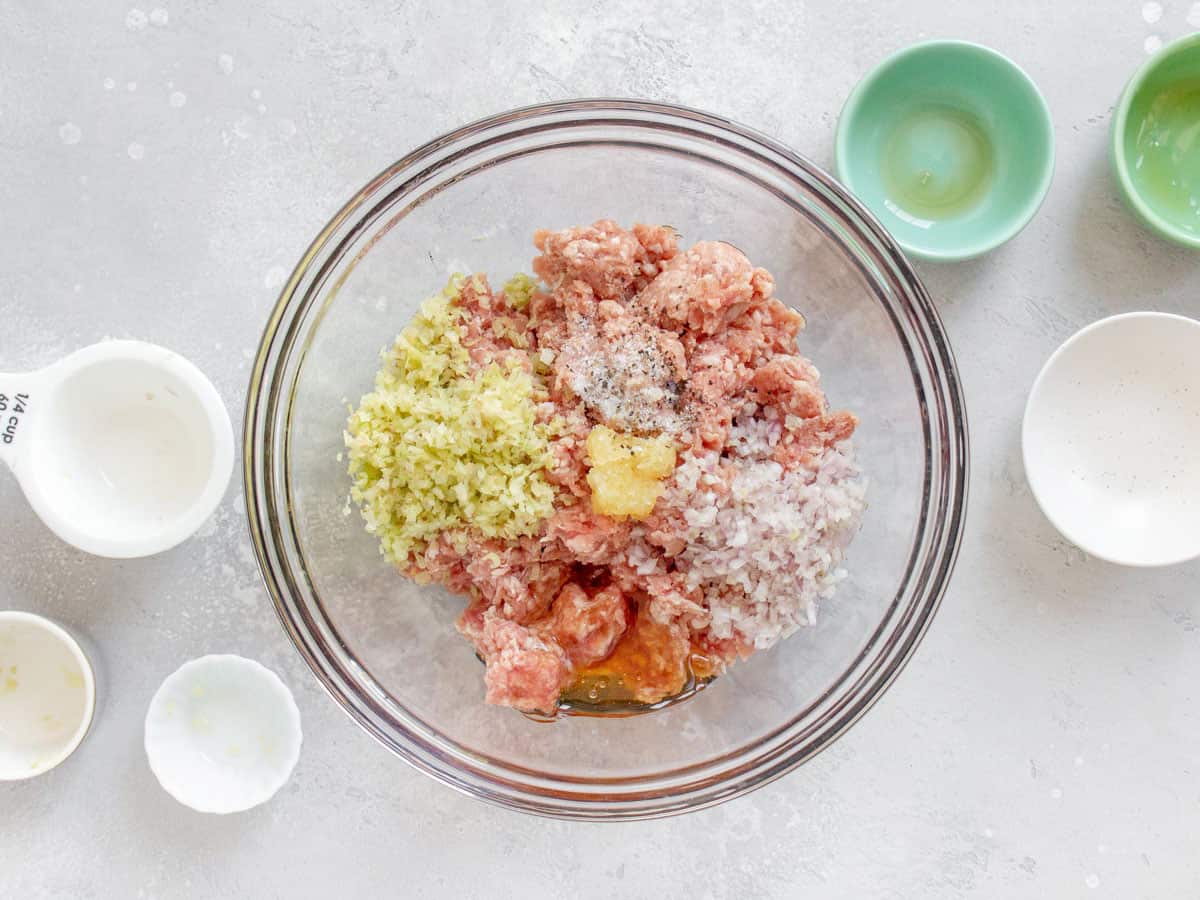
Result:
1127,267
1045,569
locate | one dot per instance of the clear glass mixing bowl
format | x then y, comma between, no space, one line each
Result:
387,650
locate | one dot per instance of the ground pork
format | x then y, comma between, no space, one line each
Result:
586,628
748,532
614,262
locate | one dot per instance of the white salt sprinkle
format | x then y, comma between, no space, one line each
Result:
628,381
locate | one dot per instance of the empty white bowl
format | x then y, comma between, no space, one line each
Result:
47,695
222,734
1111,439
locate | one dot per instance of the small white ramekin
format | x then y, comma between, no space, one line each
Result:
47,695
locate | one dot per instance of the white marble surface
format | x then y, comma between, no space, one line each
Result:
163,167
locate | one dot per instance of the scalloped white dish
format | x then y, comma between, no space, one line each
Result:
222,734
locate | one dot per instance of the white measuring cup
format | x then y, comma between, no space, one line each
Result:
122,448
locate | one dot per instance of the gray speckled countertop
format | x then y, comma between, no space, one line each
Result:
164,166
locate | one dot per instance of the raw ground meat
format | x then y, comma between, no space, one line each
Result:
587,628
523,669
629,332
704,289
492,331
613,262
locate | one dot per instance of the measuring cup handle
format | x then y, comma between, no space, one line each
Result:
19,394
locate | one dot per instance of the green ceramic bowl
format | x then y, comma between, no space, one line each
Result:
950,144
1156,142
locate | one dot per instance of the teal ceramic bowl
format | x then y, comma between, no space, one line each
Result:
950,144
1156,142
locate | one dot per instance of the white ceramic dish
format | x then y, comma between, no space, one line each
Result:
1111,439
122,448
222,734
47,695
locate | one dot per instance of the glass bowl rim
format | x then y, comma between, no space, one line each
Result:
641,796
